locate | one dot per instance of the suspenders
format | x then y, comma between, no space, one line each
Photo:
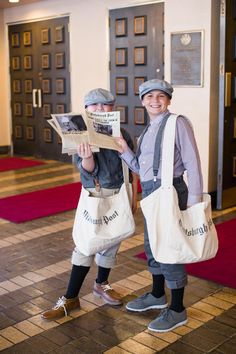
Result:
157,148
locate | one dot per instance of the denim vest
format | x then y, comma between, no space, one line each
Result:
108,168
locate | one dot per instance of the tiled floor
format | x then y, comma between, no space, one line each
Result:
35,266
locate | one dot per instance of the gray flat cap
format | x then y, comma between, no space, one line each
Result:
155,84
98,95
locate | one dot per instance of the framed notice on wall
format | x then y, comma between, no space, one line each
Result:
187,58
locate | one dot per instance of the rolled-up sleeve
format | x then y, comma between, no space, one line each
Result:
85,172
131,160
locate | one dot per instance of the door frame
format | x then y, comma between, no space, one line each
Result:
226,195
219,202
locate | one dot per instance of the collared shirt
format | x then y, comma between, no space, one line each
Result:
186,156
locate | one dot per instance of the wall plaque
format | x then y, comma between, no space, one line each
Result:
121,56
140,55
139,115
16,63
18,132
46,85
137,82
121,85
28,62
60,86
29,109
46,61
28,85
30,133
123,113
121,27
187,58
15,39
60,60
17,86
45,36
59,34
17,109
47,135
27,38
60,108
47,110
140,25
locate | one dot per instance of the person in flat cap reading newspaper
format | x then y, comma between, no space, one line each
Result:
155,96
106,167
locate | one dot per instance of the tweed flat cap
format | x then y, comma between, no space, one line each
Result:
155,84
98,95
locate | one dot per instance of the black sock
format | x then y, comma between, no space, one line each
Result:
103,274
158,287
77,276
177,296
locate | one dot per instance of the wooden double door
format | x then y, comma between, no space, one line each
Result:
136,55
40,85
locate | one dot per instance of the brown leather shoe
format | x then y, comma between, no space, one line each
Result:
62,308
106,292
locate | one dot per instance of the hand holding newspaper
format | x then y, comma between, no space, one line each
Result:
99,129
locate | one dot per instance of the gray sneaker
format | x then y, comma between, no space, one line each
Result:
168,320
147,302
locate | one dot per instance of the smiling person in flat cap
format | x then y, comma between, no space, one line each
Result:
105,167
156,97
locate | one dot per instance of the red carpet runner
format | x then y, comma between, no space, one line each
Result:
222,268
16,163
38,204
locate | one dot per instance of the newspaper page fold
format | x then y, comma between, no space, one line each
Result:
103,127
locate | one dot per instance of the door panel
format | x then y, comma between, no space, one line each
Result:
226,190
136,55
40,85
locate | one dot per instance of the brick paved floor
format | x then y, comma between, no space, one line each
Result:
35,267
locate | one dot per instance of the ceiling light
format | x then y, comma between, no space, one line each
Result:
13,0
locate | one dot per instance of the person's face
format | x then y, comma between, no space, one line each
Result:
100,107
155,102
66,123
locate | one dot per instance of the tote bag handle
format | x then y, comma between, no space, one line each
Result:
128,188
125,170
167,167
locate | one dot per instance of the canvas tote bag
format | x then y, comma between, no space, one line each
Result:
177,236
102,222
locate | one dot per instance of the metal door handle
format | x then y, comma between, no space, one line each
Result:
227,89
39,98
34,98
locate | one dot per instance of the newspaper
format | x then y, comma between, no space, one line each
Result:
97,128
72,130
103,127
